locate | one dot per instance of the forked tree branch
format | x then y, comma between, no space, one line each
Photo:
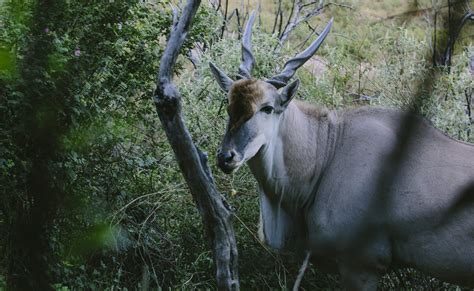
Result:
300,12
214,211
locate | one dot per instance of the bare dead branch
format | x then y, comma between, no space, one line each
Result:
216,4
417,11
259,10
303,268
309,4
469,15
239,25
312,32
231,15
469,105
224,22
471,65
435,27
302,13
215,213
277,15
235,13
289,25
339,5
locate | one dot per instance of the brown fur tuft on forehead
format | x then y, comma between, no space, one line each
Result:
244,95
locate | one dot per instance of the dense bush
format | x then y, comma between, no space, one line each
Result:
126,219
105,55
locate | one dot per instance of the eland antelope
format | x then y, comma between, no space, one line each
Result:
350,187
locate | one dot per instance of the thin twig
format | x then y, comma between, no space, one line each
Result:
303,268
224,22
277,14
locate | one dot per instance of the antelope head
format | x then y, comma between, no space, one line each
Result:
255,106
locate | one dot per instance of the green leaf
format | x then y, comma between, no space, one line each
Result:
7,61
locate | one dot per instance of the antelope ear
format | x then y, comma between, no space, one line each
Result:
222,79
288,92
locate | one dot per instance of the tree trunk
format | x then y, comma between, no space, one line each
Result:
215,213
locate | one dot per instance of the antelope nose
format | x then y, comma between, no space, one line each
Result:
226,160
226,156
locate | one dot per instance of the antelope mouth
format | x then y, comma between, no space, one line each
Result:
228,160
228,168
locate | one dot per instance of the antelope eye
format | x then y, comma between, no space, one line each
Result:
267,109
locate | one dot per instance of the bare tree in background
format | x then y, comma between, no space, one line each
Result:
215,213
301,13
458,15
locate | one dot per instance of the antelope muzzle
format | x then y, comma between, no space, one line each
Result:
227,160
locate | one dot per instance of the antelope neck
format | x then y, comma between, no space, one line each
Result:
289,166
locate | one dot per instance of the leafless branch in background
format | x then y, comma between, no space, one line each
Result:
469,104
435,27
469,94
224,22
231,15
302,12
216,4
239,25
236,13
418,11
290,24
308,37
459,13
454,32
278,16
215,212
